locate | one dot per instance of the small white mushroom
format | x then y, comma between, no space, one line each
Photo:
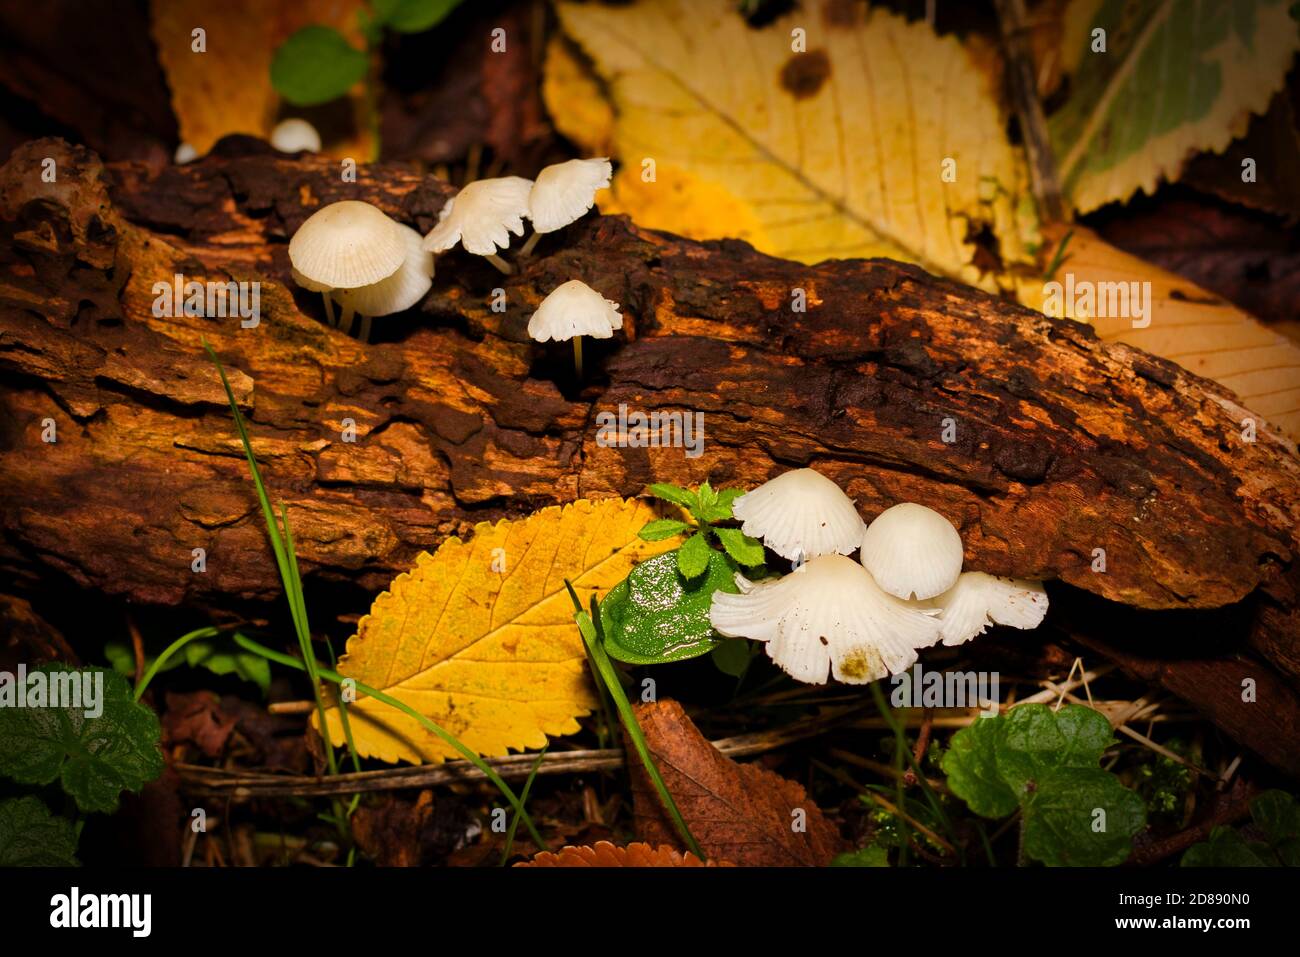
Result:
571,311
562,194
912,551
801,514
827,616
346,245
185,153
295,135
398,292
979,600
481,218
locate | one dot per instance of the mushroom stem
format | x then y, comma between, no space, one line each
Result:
329,308
577,355
365,329
500,263
346,322
528,247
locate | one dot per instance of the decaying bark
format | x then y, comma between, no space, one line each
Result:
1061,445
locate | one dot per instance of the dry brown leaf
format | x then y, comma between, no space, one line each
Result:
1195,328
737,812
605,854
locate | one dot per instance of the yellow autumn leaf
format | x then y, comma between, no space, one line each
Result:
226,88
1195,328
837,151
1175,77
479,636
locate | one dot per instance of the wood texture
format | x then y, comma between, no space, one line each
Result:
1063,444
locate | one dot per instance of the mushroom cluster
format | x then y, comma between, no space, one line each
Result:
859,621
354,253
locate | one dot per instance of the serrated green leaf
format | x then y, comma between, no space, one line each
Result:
732,656
655,615
873,855
1081,817
745,550
413,16
661,528
674,494
693,556
31,836
1038,740
316,65
95,758
971,763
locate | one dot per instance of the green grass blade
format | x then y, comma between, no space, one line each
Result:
523,799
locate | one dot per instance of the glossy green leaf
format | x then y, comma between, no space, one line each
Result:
31,836
316,65
693,556
1081,817
745,550
661,528
732,656
95,758
971,763
655,615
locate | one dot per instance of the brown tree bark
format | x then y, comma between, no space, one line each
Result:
1061,445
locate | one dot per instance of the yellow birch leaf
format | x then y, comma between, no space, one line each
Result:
1195,328
574,98
835,152
1176,77
479,636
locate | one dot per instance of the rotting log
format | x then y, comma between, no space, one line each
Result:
1060,444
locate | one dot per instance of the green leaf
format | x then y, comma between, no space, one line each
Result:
674,494
1122,127
30,836
873,855
1225,848
1038,740
745,550
971,763
1277,814
316,65
413,16
95,758
1081,817
693,556
655,615
733,655
199,653
660,529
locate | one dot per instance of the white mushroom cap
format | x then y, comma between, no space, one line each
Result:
828,615
482,215
799,515
295,134
348,244
574,309
565,191
402,290
185,153
306,283
979,600
912,550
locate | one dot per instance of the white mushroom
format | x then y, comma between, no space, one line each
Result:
571,311
295,135
185,153
912,551
346,245
800,514
827,615
979,600
402,290
562,193
481,217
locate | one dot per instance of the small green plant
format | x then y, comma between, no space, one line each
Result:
1044,764
1271,840
201,651
32,836
660,612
